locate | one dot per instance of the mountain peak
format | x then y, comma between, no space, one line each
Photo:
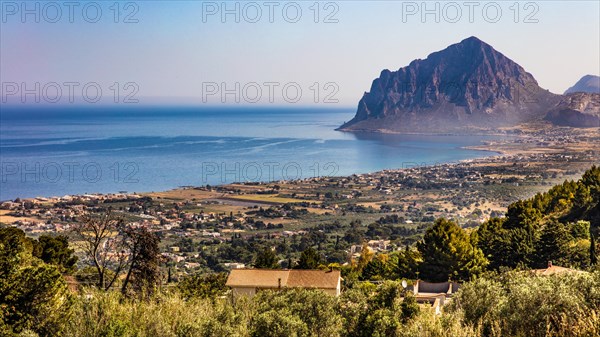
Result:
467,83
472,40
588,83
472,52
473,43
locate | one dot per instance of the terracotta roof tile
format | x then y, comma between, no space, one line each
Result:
554,270
314,279
257,278
269,278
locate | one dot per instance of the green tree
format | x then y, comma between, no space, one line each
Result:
580,229
408,263
309,259
376,311
266,258
529,235
55,250
553,244
448,253
591,180
380,323
491,239
522,224
593,256
14,251
352,305
378,268
33,294
280,323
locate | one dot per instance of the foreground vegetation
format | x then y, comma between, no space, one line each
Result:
41,294
507,304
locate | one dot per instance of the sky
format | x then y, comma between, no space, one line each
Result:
268,52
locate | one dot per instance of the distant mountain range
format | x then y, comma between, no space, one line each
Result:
579,109
469,86
588,83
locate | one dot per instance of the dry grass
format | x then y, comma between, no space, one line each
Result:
10,219
184,194
264,198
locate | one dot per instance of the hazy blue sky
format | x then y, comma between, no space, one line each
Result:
178,48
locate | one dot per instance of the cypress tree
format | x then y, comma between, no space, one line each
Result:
266,259
593,256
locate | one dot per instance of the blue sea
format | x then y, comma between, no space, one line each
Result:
51,151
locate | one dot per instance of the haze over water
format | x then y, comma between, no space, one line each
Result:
55,152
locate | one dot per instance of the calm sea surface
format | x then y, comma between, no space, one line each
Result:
55,152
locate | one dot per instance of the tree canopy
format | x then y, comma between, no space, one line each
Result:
33,295
448,253
309,259
266,258
553,226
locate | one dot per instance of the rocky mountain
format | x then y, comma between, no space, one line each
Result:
578,109
588,83
468,85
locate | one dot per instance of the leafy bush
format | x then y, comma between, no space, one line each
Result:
508,304
524,304
203,286
310,312
100,313
34,297
370,310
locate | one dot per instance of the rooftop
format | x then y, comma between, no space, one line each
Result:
554,270
291,278
551,269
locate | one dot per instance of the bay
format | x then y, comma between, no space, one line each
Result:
56,151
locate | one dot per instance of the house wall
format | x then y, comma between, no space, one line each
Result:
241,291
332,292
236,292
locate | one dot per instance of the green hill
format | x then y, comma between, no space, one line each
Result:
557,226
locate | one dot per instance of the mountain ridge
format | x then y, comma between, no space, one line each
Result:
587,84
466,85
578,109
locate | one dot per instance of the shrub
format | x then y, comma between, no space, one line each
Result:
34,297
203,286
111,314
316,310
524,304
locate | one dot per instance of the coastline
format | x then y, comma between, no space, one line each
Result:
525,147
122,193
394,154
469,191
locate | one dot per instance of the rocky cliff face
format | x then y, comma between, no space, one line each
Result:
467,85
579,109
588,83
